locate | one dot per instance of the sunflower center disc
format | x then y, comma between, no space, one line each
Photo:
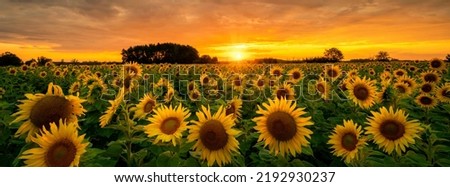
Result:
446,93
61,154
260,83
191,87
332,73
148,107
430,78
237,82
321,88
392,129
296,75
401,89
205,80
349,141
425,100
399,73
435,64
195,95
277,73
361,92
281,126
282,93
127,82
230,110
213,135
426,88
170,125
50,109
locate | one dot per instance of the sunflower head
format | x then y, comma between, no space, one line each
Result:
59,146
277,71
443,93
284,91
214,136
145,106
282,128
114,105
133,69
362,92
399,73
39,110
430,76
332,72
295,74
167,124
427,87
346,141
234,108
426,101
194,95
391,130
437,64
323,88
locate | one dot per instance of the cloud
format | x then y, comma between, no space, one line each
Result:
110,25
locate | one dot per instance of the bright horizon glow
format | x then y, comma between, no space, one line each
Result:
290,30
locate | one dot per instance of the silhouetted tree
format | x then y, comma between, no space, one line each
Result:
333,54
160,53
42,60
9,59
383,56
206,59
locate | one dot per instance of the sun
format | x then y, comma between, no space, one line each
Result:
238,52
237,55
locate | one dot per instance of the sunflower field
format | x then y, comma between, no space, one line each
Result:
342,114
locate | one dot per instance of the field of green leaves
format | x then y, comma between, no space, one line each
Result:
342,114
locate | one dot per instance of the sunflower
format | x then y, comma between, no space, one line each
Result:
391,130
284,91
194,95
437,64
75,87
332,72
24,68
426,101
427,87
408,81
144,107
295,74
12,71
346,141
214,136
402,88
399,73
234,108
191,86
323,88
106,117
169,94
204,79
128,83
59,146
443,93
43,74
260,82
430,76
362,92
277,71
282,128
237,82
133,69
167,124
39,110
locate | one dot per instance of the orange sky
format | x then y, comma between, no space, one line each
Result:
231,29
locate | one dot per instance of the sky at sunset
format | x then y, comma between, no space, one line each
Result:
229,29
